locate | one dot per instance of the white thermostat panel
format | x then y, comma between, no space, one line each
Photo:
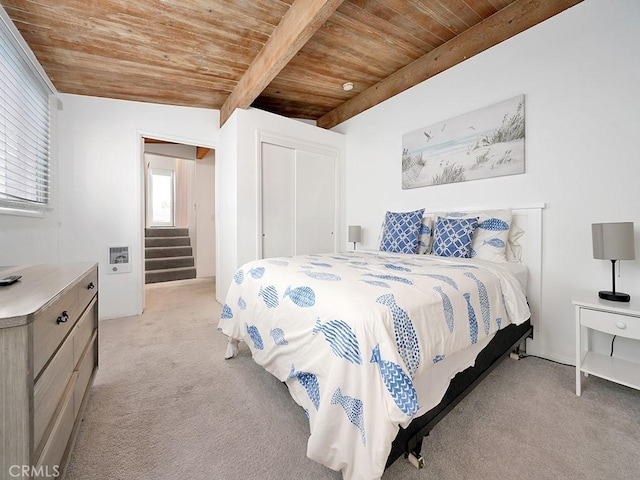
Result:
119,260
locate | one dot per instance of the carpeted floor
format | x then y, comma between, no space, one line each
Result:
165,405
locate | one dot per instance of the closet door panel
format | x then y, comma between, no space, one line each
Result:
315,205
278,200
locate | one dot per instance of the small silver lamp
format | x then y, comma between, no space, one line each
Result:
613,241
355,234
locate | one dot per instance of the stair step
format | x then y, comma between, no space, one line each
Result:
160,252
170,274
166,232
167,241
168,262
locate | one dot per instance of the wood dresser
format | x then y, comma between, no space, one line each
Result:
48,359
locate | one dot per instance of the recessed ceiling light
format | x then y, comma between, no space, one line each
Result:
347,86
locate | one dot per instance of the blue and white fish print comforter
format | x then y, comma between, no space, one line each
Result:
352,333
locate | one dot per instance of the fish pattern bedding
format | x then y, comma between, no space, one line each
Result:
352,334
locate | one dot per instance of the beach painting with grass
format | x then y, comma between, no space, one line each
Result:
485,143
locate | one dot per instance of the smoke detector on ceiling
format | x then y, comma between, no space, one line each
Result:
347,86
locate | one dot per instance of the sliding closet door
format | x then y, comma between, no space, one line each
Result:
315,203
298,201
278,200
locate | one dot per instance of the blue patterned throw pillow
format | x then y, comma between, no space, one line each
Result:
400,232
452,236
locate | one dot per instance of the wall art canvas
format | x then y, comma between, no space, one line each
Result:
485,143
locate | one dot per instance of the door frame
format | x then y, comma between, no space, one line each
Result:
264,136
138,267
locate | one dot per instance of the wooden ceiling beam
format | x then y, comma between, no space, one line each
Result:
504,24
201,152
298,25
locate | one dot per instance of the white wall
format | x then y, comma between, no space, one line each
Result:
227,198
237,183
28,240
101,181
580,76
205,226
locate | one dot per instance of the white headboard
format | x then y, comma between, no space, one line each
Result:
529,219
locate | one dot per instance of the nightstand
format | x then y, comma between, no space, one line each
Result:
615,318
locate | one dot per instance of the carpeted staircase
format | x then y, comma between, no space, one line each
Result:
168,255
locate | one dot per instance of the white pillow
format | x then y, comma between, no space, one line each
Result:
491,237
513,253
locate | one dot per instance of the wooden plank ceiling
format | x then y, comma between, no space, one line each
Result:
290,57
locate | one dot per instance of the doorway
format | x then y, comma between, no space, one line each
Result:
179,211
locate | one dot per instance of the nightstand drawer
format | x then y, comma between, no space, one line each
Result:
612,323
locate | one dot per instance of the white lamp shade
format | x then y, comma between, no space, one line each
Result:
613,241
355,233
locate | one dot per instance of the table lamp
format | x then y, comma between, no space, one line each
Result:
613,241
355,234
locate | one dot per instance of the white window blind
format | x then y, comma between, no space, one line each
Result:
24,129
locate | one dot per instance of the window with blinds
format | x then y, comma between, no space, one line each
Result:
24,129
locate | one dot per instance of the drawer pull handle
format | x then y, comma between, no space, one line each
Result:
621,325
91,286
62,318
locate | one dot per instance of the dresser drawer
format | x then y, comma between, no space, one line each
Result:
88,287
50,459
50,388
84,329
48,333
85,369
612,323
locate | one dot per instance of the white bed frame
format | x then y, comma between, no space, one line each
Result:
529,219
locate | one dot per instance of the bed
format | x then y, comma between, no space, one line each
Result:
377,346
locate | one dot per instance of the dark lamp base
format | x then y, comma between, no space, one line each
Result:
615,296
